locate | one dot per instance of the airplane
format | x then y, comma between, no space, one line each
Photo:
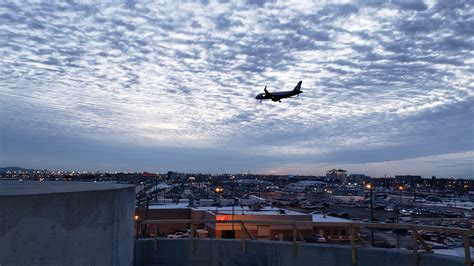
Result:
277,96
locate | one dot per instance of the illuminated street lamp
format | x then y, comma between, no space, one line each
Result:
136,218
218,190
401,193
370,187
397,213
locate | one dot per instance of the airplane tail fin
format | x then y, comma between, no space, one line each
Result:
265,90
298,86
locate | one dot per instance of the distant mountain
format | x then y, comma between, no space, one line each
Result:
18,169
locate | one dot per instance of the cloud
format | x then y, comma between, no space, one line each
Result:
380,80
447,165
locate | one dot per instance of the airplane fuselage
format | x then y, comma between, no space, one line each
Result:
277,96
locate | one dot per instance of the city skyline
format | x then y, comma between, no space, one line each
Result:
147,86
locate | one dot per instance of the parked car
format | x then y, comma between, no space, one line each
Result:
343,215
178,235
319,238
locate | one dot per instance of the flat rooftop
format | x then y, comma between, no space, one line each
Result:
180,205
325,218
16,188
238,210
242,210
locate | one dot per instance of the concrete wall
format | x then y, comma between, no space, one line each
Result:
91,227
266,253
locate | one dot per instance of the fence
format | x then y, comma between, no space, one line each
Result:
355,238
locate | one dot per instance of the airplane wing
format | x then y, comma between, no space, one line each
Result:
276,98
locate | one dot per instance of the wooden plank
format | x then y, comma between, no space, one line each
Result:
196,234
155,238
458,231
244,245
245,230
415,246
294,240
244,235
440,229
301,236
425,245
193,235
360,239
353,248
467,252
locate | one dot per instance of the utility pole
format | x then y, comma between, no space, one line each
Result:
372,215
398,210
414,194
454,194
145,229
370,188
398,232
156,190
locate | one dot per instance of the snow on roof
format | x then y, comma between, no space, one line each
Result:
321,218
158,187
241,210
180,205
238,210
245,210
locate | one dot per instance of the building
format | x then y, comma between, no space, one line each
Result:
331,233
407,179
357,178
181,211
175,176
338,174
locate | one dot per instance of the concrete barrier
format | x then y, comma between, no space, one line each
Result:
229,252
66,223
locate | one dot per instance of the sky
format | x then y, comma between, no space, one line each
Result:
388,86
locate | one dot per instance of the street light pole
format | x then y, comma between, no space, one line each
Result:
370,188
398,210
372,215
401,195
398,232
414,194
217,191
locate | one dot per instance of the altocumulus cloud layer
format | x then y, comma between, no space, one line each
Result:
388,87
